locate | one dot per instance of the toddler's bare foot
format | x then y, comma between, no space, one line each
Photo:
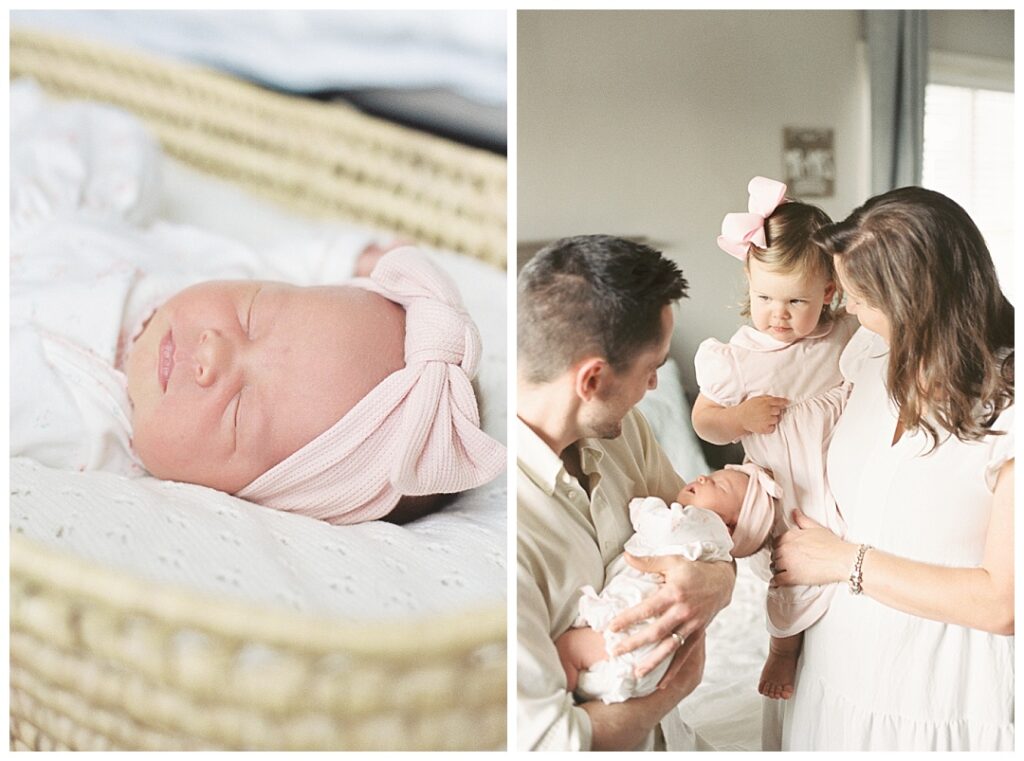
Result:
778,675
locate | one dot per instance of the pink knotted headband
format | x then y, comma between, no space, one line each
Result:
739,230
757,513
416,433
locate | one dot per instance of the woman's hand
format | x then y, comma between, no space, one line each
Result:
692,594
810,554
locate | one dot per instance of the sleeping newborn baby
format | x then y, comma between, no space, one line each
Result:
726,514
334,401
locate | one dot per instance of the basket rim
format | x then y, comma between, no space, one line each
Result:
71,576
412,183
244,90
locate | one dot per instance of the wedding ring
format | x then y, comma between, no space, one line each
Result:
678,638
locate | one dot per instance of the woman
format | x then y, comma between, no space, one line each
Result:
919,654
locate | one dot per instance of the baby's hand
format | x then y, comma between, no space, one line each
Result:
760,414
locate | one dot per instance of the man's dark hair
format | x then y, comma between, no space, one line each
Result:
591,294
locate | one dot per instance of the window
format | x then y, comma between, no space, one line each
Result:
968,151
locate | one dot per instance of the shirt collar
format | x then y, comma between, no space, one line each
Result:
590,455
750,338
536,459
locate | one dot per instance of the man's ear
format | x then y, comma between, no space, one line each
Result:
591,373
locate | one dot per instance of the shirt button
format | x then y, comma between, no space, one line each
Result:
566,478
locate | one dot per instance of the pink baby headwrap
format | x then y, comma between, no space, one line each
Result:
739,230
416,433
757,514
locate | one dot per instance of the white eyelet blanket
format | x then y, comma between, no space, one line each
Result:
209,541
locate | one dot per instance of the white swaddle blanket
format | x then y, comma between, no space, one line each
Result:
691,532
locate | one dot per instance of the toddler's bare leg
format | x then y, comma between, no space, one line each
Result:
579,649
779,670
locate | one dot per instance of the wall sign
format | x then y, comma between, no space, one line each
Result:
809,157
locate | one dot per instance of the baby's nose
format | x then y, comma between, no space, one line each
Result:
213,357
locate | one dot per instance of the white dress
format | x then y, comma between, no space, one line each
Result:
874,678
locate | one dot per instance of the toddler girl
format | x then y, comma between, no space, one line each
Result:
726,514
776,387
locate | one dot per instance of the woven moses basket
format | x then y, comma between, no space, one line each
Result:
97,661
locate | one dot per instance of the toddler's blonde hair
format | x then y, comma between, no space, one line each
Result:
789,249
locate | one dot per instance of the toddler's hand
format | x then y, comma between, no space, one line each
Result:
760,414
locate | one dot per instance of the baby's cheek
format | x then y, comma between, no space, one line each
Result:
164,444
147,444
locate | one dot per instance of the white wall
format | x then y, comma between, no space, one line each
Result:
984,33
652,123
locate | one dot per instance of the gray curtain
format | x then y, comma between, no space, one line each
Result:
897,48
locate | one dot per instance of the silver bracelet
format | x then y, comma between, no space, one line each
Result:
856,576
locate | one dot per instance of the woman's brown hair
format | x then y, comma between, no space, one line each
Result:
916,256
789,247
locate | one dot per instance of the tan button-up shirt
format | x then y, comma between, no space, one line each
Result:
565,540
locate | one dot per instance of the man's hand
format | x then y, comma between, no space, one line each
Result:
687,667
623,726
690,598
761,414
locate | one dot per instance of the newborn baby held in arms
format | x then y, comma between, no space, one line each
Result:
726,514
144,346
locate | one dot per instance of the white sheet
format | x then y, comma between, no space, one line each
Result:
190,535
725,709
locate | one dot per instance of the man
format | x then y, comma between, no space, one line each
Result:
595,323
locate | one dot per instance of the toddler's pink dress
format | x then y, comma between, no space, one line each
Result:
805,372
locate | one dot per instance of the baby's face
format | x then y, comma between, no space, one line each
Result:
229,378
786,306
721,492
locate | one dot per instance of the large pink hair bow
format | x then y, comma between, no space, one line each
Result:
757,513
416,433
739,230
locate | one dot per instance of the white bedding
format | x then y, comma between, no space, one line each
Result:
725,709
194,536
